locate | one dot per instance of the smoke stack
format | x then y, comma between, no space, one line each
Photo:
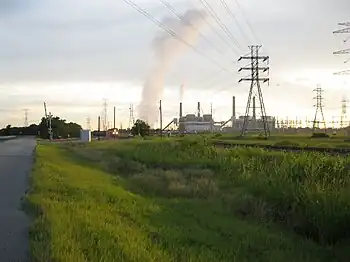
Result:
114,118
254,113
199,109
180,109
233,111
234,107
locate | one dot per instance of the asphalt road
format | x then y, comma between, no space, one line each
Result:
16,158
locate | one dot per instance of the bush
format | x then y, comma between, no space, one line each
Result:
320,135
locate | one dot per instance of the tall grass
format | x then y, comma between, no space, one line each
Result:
307,192
140,201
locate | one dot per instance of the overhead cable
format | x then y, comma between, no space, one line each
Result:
181,17
171,32
232,15
212,12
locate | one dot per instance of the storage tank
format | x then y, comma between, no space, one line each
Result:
207,118
191,117
85,136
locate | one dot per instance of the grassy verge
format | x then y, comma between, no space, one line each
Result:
186,201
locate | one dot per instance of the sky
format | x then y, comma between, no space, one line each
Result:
74,54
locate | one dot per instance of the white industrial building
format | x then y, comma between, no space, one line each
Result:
192,123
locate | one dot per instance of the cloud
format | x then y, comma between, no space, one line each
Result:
53,41
49,44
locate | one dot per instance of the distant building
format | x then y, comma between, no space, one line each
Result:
257,124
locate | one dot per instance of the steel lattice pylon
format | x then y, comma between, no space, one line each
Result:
319,109
255,89
344,30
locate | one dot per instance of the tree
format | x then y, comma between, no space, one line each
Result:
140,128
59,127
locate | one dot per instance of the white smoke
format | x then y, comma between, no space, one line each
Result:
167,49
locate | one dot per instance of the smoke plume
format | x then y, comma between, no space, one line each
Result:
166,49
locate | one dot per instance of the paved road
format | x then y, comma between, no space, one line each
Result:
16,157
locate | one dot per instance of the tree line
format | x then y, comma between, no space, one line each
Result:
63,129
60,129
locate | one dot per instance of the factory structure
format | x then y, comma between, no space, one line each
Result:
197,123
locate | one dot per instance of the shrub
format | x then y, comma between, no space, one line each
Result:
320,135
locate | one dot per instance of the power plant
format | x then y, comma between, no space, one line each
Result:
197,123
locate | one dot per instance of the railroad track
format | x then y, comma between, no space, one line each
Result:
333,151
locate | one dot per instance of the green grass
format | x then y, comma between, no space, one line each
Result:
296,140
278,139
184,200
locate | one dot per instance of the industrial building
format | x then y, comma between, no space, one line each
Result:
254,123
192,123
195,123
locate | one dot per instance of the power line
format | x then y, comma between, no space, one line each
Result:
171,32
219,22
248,22
216,32
181,17
231,14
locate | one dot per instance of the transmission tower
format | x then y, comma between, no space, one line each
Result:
131,116
319,108
345,30
88,123
104,115
25,117
343,116
255,90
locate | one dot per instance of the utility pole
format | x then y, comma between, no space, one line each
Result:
88,123
50,126
255,90
105,115
46,117
211,120
25,117
319,108
98,128
160,119
114,118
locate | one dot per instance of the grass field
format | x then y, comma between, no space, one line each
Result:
278,139
184,200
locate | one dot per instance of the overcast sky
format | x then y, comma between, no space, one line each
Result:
72,54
